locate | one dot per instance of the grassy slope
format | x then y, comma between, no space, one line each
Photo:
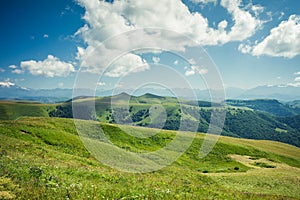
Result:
241,122
14,109
43,158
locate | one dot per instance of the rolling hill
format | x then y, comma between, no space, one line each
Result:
253,119
11,110
271,106
43,158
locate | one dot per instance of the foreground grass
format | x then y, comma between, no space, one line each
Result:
43,158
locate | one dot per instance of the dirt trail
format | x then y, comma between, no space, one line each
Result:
255,169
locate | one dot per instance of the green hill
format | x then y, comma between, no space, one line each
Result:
43,158
12,110
270,106
242,120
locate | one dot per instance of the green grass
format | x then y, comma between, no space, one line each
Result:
11,110
43,158
281,130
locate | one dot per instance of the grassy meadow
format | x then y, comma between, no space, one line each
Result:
43,158
12,110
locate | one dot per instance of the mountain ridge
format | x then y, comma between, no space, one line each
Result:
287,93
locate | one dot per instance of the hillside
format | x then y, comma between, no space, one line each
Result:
255,119
11,110
244,119
270,106
43,158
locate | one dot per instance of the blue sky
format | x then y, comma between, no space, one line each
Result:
45,43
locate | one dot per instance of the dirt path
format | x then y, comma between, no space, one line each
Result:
273,167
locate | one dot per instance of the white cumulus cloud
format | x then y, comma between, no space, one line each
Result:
101,84
50,67
256,9
189,72
105,20
17,71
297,73
204,1
195,69
283,40
295,84
129,63
245,48
172,15
12,67
6,84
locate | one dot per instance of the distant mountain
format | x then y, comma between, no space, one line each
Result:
10,90
282,93
233,92
295,105
15,92
287,93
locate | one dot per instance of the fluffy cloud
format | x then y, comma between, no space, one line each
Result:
172,15
204,1
50,67
245,48
105,20
2,70
101,84
189,72
15,69
295,84
129,63
297,73
194,69
283,41
6,84
257,9
12,67
245,25
18,71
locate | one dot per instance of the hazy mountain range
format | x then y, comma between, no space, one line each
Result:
281,93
